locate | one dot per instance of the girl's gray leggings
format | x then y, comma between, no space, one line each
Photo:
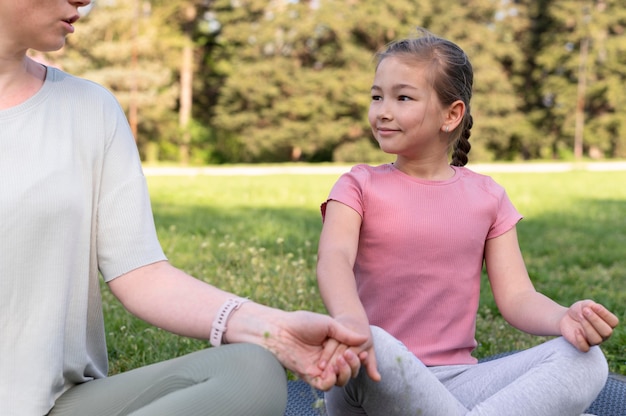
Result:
552,379
237,379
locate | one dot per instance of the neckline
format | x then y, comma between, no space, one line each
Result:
452,179
34,99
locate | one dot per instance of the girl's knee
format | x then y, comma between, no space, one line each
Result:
597,364
593,362
590,367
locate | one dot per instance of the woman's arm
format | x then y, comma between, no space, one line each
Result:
584,324
171,299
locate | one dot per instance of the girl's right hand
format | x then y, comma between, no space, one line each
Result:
336,355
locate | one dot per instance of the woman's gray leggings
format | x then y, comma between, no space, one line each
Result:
237,379
552,379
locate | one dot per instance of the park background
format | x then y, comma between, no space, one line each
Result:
286,83
232,81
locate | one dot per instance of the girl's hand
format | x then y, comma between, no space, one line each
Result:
336,356
587,323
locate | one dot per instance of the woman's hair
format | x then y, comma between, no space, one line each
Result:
452,79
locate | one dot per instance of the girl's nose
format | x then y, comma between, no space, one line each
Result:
384,113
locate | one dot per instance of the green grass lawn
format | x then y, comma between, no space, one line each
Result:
257,236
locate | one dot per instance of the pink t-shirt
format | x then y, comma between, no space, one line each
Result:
421,252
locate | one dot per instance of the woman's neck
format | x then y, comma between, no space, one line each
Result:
19,80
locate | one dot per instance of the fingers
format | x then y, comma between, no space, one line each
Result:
344,335
611,319
338,372
330,346
342,369
353,361
324,382
595,325
581,342
371,367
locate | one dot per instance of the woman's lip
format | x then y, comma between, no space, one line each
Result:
69,23
68,26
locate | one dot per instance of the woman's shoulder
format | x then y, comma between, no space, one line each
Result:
71,84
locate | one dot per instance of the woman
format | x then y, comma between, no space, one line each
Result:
73,204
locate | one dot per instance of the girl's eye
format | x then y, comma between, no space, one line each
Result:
404,98
376,98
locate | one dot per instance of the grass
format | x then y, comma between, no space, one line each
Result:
257,236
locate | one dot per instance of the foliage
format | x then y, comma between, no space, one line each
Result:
288,80
257,236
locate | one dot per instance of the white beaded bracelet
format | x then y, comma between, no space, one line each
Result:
219,323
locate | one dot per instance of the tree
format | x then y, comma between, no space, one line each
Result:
138,65
280,80
570,40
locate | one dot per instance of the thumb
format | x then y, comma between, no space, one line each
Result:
371,366
344,335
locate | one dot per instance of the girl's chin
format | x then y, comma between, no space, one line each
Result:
386,148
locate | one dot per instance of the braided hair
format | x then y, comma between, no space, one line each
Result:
452,79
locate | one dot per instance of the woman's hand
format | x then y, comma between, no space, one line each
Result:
587,323
302,339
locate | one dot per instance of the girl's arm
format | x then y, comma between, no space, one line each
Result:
584,324
337,252
336,256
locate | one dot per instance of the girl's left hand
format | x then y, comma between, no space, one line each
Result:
587,323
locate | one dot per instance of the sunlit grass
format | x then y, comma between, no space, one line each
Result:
257,236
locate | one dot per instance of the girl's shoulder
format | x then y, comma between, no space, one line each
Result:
478,178
364,170
363,174
481,182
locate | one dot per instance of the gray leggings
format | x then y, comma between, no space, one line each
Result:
237,379
552,379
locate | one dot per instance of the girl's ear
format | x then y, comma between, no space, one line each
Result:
454,115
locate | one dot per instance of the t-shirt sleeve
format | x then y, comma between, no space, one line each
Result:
349,190
126,234
507,215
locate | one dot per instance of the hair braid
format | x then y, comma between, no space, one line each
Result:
462,145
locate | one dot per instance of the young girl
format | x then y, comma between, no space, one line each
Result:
401,254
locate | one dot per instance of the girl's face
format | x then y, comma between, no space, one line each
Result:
37,24
405,113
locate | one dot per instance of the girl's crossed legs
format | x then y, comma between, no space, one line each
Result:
552,379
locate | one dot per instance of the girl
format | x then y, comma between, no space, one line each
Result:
73,204
401,253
